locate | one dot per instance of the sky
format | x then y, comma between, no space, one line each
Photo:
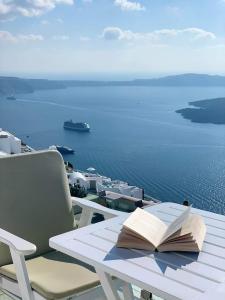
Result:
99,38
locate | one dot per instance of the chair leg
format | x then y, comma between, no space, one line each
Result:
22,275
128,292
85,218
107,285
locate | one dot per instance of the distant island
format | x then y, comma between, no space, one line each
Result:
15,85
206,111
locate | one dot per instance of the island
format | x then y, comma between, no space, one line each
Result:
15,85
205,111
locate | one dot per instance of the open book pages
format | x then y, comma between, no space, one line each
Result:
143,230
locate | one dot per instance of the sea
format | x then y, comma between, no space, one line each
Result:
136,136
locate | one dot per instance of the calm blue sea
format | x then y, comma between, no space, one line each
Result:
135,136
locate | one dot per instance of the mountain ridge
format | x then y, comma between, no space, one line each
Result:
14,85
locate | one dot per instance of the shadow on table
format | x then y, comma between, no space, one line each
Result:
174,260
164,260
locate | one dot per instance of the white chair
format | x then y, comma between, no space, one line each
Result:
35,204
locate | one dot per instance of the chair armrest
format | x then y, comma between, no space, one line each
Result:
89,208
97,208
18,249
16,243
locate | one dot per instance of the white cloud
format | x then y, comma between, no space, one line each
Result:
129,5
112,33
4,8
9,37
60,37
200,33
30,37
29,8
188,34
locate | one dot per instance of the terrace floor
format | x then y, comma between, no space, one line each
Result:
97,294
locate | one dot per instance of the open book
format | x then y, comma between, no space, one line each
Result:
143,230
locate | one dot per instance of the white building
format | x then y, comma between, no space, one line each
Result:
9,144
93,180
120,187
78,178
98,183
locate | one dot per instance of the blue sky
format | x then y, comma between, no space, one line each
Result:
78,38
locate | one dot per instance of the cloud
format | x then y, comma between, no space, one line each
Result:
129,5
112,33
4,8
30,37
9,37
188,34
60,37
29,8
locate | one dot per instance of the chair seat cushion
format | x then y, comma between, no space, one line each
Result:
56,275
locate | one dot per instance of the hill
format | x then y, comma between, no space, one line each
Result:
206,111
14,85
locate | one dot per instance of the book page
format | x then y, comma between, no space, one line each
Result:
127,240
176,224
189,238
199,230
146,226
190,246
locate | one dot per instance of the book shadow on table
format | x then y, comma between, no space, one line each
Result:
164,260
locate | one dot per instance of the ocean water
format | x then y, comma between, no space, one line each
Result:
135,136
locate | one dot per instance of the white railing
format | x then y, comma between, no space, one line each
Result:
89,208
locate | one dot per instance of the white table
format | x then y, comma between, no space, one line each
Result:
168,275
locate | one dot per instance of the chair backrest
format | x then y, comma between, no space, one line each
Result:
35,201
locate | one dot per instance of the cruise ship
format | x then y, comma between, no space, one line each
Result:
80,126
